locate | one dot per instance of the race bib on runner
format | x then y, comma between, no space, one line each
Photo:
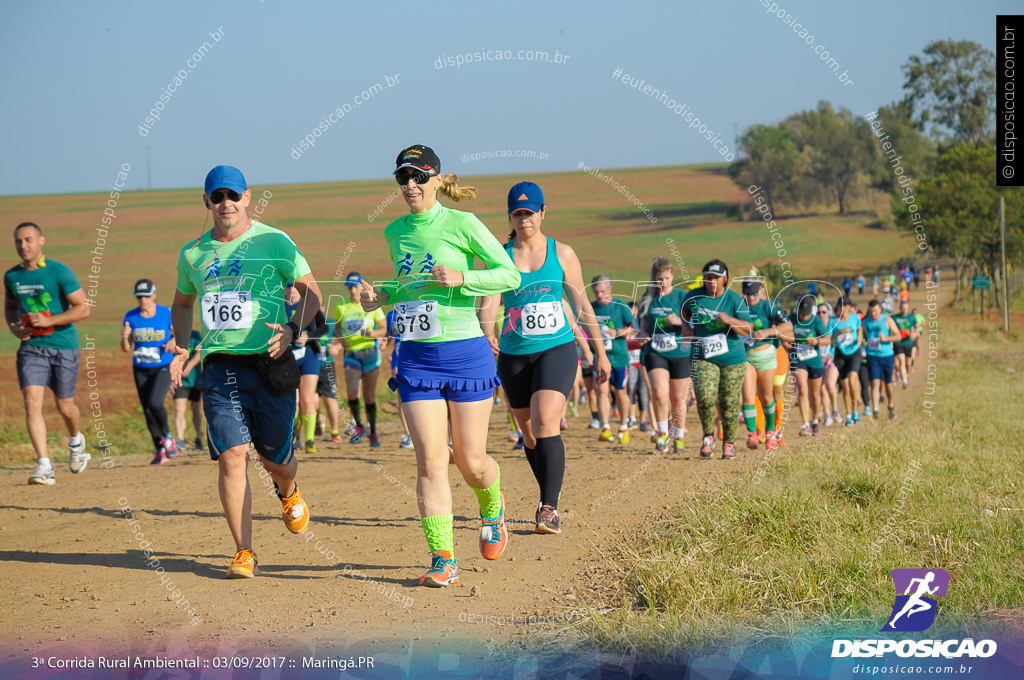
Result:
227,310
714,345
147,355
543,318
874,344
353,326
299,352
417,320
806,352
634,356
748,340
606,338
664,342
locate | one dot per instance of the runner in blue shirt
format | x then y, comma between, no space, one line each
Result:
148,335
847,338
880,332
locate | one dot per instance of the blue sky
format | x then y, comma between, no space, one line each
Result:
78,79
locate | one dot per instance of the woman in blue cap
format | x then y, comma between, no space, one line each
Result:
537,347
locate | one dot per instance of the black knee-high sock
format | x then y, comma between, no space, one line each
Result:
353,405
371,416
531,458
550,472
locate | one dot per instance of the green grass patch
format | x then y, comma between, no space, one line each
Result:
808,549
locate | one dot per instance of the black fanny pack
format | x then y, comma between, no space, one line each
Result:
281,375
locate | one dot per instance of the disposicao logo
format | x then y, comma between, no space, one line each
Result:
914,611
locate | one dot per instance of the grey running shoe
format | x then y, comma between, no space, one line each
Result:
43,475
79,458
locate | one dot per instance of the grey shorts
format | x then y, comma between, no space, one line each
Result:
49,367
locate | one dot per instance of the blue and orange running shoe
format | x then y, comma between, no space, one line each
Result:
444,570
494,535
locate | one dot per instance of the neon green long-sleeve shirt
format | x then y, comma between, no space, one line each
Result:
453,238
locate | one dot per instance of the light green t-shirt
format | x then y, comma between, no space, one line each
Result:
240,285
453,238
352,319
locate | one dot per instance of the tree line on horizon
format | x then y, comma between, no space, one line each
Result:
943,133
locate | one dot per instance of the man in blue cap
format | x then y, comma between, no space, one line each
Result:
237,272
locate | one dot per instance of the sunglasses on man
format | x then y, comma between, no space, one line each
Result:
217,197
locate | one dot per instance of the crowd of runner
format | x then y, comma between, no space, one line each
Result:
527,328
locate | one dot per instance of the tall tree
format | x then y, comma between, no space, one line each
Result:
953,87
771,161
959,209
916,152
838,148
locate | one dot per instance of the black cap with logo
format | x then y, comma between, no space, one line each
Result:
419,157
144,288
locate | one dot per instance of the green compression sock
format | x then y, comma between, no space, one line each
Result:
438,530
490,498
750,417
769,418
308,427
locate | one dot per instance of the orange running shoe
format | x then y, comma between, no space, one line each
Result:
244,565
296,514
493,534
444,570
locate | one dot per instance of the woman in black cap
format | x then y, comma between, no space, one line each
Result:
148,335
720,319
447,371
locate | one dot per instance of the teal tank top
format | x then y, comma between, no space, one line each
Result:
874,330
534,319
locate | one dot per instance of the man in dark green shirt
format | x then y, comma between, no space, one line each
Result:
42,302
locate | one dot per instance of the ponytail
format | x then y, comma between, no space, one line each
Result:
450,188
658,265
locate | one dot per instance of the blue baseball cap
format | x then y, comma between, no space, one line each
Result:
525,196
225,177
353,279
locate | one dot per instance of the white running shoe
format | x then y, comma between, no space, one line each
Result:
406,442
828,420
43,475
79,458
595,424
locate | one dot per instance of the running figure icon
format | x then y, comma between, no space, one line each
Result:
916,604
